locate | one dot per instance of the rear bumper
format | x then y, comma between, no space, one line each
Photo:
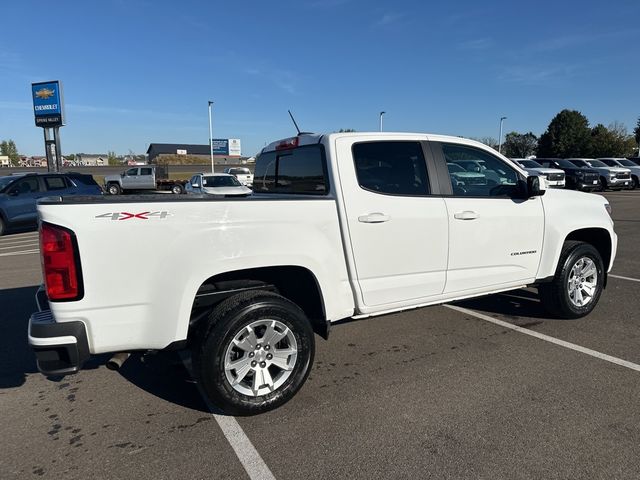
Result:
60,348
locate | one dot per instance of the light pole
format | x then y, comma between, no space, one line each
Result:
381,114
502,119
211,137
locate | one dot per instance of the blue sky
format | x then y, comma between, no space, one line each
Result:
141,71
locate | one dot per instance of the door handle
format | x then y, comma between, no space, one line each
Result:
466,215
376,217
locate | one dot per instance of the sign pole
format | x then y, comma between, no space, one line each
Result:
211,137
47,149
56,139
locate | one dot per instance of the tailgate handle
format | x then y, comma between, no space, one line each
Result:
466,215
376,217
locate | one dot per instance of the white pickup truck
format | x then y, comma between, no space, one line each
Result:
344,225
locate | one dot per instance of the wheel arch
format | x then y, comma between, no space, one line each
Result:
599,238
297,284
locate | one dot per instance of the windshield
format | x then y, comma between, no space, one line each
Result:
4,181
627,163
455,168
597,163
565,164
529,164
220,181
580,163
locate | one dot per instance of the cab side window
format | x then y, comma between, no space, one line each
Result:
146,171
132,172
392,168
476,173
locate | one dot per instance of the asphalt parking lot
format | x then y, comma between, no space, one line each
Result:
439,392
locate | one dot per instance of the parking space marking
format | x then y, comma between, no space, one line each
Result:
32,244
16,241
625,278
22,252
547,338
249,457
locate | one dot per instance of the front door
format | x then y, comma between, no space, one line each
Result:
398,231
130,179
495,234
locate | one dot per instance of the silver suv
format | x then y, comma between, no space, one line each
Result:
615,178
625,163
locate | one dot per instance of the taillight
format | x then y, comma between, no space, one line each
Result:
60,263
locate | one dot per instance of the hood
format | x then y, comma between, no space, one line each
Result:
227,190
544,171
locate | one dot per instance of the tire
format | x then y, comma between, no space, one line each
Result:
216,349
603,184
177,189
3,228
114,189
561,297
634,183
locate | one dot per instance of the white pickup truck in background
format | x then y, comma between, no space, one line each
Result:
344,225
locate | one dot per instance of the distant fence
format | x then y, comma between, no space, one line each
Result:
113,170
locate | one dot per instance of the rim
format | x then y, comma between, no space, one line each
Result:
582,282
260,358
113,190
177,189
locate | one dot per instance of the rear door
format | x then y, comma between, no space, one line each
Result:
146,178
21,207
495,234
398,230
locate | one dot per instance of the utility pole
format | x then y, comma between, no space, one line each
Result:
211,137
502,119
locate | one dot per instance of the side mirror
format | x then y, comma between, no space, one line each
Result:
536,186
195,185
123,174
13,192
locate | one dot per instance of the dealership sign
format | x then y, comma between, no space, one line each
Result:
228,147
48,105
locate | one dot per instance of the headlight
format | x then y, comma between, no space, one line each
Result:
607,207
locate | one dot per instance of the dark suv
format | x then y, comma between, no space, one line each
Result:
577,178
19,194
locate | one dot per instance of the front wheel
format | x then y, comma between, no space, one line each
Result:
603,184
114,189
256,353
577,284
177,189
2,227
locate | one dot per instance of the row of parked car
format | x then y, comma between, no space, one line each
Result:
587,174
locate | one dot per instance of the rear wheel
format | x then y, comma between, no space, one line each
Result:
256,353
577,284
114,189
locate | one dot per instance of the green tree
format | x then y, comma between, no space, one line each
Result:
112,158
8,148
612,141
519,145
568,135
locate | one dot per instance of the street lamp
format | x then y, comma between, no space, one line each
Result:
211,137
502,119
381,114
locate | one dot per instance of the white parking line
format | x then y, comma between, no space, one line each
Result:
249,457
16,236
17,241
547,338
22,252
624,278
32,244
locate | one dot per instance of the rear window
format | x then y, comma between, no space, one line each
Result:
55,183
83,179
301,171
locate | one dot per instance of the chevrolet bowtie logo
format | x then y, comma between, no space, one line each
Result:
44,93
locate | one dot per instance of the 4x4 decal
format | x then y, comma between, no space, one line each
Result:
134,216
